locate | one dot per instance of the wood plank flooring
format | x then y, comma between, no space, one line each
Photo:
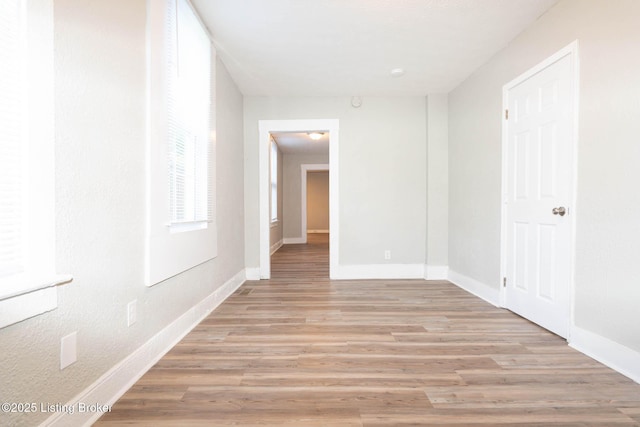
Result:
301,350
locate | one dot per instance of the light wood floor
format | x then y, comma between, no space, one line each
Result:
300,350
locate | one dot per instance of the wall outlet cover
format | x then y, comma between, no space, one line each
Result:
132,314
68,350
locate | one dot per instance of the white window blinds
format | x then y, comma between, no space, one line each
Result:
27,169
181,230
188,105
12,138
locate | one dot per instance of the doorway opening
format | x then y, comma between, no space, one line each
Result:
315,200
280,130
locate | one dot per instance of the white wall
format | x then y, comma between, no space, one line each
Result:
382,173
607,272
317,201
293,191
100,210
437,181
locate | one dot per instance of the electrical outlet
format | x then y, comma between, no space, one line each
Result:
132,316
387,254
68,350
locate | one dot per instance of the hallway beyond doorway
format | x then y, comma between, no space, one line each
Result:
303,260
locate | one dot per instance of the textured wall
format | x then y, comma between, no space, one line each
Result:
437,180
607,240
100,210
382,173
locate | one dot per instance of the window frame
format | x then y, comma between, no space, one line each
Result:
32,291
172,247
188,127
273,170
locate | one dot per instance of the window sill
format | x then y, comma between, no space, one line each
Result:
181,227
14,286
28,298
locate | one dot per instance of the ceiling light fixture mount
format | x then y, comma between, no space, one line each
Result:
397,72
315,135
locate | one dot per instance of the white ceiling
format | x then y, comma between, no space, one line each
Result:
301,143
348,47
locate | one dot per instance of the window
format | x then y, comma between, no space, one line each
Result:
180,210
274,180
188,93
27,222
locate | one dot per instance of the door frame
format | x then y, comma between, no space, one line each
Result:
265,128
570,50
304,169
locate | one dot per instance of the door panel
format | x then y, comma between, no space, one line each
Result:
539,169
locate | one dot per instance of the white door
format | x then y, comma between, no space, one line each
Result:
539,180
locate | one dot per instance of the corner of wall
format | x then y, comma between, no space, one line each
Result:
479,289
436,272
277,245
252,273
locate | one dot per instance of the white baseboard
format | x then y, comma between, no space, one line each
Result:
479,289
115,382
294,240
609,353
252,273
318,231
379,271
436,272
275,246
616,356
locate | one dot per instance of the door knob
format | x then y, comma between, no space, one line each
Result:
559,211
